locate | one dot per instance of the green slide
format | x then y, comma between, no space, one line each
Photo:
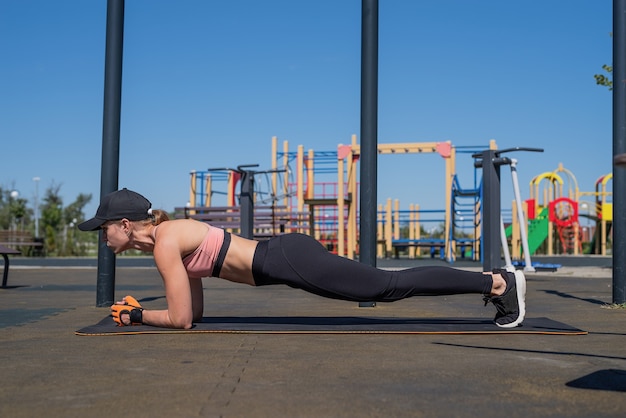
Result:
537,231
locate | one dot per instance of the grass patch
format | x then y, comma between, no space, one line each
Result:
614,306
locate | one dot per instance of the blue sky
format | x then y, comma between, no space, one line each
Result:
207,83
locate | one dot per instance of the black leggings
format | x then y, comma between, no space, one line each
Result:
301,262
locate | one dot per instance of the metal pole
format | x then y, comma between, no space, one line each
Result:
491,211
247,204
528,265
369,134
36,180
105,290
619,147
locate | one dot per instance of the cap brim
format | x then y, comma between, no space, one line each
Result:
92,224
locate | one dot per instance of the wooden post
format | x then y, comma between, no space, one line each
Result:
300,183
388,227
341,248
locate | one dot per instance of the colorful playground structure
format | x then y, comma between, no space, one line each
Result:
294,199
554,213
316,193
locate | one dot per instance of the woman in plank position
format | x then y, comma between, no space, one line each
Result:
186,250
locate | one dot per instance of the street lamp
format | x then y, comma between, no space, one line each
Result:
14,208
36,180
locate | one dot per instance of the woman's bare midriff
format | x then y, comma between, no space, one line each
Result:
237,265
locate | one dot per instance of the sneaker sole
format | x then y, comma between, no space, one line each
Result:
520,287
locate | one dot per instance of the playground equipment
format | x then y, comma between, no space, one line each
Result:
547,210
490,162
201,189
519,211
338,204
257,215
448,153
351,154
466,214
330,205
392,220
555,208
327,209
564,214
539,229
604,212
327,203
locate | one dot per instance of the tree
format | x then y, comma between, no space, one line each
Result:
603,80
14,212
52,218
72,216
58,223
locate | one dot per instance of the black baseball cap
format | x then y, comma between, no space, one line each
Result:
118,205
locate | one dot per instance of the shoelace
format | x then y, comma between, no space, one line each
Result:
487,299
499,306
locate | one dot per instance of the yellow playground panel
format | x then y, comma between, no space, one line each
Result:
604,208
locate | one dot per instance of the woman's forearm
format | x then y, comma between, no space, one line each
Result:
162,318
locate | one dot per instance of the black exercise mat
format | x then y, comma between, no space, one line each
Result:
340,325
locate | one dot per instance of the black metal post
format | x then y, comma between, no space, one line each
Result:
105,290
491,211
246,202
619,147
369,135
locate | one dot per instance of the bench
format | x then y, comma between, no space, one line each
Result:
22,241
5,251
268,221
433,243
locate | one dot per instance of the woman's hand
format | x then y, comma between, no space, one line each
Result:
127,312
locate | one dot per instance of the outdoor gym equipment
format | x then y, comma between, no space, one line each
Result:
246,196
490,162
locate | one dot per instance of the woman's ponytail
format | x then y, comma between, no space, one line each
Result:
155,217
159,216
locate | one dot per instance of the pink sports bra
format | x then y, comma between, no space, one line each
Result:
207,259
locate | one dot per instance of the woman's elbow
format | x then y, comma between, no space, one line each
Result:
183,322
183,325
